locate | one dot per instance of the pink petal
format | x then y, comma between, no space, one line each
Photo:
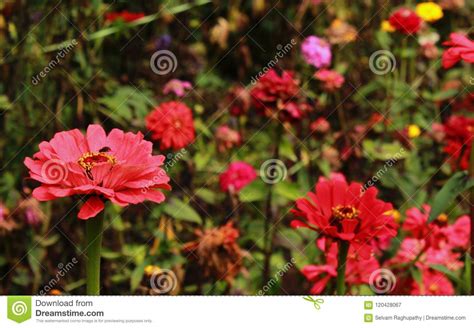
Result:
93,206
96,137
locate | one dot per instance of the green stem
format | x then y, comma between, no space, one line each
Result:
341,268
94,227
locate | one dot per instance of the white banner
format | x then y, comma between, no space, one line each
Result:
236,311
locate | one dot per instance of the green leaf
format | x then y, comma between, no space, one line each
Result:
254,192
288,190
180,210
449,273
207,195
137,275
458,183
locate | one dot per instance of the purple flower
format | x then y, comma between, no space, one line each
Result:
316,51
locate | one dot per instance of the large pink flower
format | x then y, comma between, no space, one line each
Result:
119,167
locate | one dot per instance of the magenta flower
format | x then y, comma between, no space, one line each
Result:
316,51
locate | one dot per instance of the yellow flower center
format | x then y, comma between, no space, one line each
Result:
91,159
341,212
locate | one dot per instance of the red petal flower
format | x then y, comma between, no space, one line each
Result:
405,21
119,167
172,124
460,48
344,211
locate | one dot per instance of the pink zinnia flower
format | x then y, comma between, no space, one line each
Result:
460,47
433,283
332,80
178,87
119,167
172,124
316,51
227,138
237,176
343,211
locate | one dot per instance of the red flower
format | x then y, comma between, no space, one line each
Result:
123,15
238,175
405,21
321,125
433,283
460,47
119,167
357,273
172,124
459,131
345,211
332,80
274,93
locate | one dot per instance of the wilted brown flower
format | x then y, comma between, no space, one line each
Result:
220,33
238,100
216,251
340,32
6,222
31,211
451,4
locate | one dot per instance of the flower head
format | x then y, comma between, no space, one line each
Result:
227,138
340,32
119,167
460,48
387,27
429,11
332,79
458,131
343,211
172,124
405,21
278,94
237,176
177,87
216,252
238,100
316,51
